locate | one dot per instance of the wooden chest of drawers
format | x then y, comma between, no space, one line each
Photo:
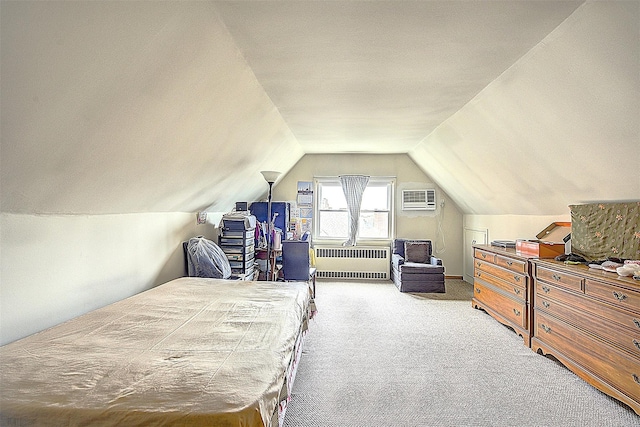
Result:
590,321
502,287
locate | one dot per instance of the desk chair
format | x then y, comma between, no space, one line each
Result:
296,263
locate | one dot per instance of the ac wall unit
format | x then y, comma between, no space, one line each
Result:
419,200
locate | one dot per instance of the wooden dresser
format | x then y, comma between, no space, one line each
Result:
502,286
590,321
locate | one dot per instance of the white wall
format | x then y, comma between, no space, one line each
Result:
54,268
512,227
409,224
502,227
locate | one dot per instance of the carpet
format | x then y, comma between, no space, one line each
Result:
378,357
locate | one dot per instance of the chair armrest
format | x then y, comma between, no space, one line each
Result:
397,260
436,261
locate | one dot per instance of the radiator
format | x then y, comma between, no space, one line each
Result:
354,262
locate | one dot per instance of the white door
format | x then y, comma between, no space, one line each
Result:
472,237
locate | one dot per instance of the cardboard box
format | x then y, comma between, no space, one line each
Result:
550,242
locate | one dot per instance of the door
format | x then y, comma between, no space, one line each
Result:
472,237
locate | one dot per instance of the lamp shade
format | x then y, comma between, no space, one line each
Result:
270,176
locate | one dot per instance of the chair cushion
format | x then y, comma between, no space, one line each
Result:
420,268
418,252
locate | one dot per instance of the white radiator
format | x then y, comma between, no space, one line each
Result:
353,262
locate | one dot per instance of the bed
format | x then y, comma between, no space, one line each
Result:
190,352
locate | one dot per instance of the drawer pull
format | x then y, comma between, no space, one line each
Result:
619,296
509,263
637,344
545,328
637,322
557,277
546,291
516,278
545,304
484,255
477,290
478,263
479,274
636,379
517,291
516,312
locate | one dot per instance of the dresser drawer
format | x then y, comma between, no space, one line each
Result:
547,294
619,296
626,339
511,264
516,291
484,255
607,363
514,311
563,279
504,274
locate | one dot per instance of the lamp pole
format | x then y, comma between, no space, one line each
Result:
270,268
270,177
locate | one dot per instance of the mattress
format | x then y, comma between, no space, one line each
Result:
193,352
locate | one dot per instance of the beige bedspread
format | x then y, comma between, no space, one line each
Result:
190,352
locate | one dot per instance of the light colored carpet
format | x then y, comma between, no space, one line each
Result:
378,357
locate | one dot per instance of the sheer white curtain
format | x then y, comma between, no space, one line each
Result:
353,187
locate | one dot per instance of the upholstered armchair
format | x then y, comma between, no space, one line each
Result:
414,268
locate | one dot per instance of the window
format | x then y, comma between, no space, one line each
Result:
376,213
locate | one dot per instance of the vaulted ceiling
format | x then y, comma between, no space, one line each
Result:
512,107
379,77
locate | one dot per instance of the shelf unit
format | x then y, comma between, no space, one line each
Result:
238,243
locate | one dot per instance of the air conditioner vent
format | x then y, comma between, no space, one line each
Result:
419,200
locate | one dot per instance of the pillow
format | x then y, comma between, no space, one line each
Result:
417,252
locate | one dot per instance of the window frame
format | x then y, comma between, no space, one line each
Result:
389,182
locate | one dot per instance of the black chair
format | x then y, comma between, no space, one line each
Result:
296,263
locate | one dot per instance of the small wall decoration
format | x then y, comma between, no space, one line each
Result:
305,193
201,218
305,205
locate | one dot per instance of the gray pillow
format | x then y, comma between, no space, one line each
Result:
416,252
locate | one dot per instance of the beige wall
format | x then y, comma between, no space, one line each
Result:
411,224
502,227
55,268
512,227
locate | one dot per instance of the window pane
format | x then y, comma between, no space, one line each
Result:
375,198
332,197
334,224
374,225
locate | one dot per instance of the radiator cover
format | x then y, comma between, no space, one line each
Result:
353,262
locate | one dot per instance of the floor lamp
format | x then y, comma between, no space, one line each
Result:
270,177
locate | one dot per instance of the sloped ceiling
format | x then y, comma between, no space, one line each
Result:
375,76
561,126
117,107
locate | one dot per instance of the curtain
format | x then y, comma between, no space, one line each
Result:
353,187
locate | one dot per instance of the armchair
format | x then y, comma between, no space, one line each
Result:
414,268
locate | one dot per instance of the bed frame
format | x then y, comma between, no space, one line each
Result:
190,352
